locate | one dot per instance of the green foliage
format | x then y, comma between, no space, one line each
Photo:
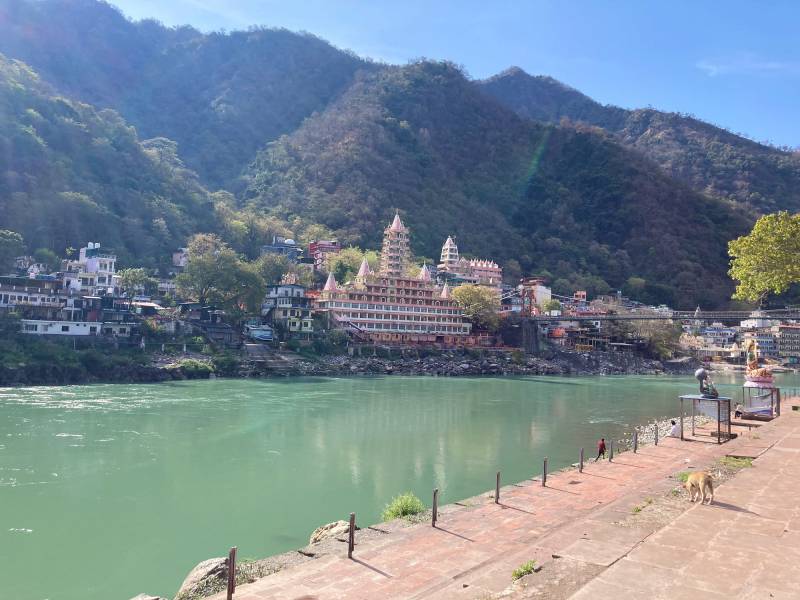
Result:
47,257
404,505
345,264
551,304
682,476
215,275
11,246
767,260
194,369
137,281
480,305
524,569
225,364
734,462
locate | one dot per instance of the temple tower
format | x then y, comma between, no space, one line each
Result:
395,254
449,256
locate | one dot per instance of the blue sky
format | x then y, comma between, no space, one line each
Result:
733,63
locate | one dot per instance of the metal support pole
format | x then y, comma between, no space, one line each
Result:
231,573
610,450
580,467
435,511
635,441
681,418
351,539
497,489
656,437
544,472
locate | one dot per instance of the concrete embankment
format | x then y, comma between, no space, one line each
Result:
575,528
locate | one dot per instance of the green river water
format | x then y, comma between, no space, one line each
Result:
107,491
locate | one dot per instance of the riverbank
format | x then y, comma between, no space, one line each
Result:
63,366
575,531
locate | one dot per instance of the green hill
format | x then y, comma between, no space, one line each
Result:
221,97
573,204
71,174
757,177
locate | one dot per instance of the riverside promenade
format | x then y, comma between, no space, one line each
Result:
616,530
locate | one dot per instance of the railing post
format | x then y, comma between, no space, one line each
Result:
435,511
580,467
231,573
497,489
635,441
656,436
351,539
544,472
610,450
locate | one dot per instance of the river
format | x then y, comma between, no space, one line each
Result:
107,491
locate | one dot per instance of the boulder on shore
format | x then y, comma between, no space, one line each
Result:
331,530
205,576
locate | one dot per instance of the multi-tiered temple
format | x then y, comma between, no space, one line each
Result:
392,306
477,271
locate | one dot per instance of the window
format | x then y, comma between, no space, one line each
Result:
65,328
93,330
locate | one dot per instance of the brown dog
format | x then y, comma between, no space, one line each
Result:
700,483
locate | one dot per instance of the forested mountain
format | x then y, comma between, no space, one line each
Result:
522,169
573,204
754,176
221,97
70,174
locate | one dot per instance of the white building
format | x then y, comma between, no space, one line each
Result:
93,273
75,328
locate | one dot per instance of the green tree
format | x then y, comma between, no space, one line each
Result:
345,264
767,260
11,246
47,257
215,275
551,304
136,281
273,266
480,304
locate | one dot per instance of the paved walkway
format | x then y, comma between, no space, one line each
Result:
473,551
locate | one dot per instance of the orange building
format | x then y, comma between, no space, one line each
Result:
391,307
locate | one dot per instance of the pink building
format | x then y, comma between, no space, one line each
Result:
477,271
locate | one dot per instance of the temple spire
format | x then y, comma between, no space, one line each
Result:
397,224
330,285
445,295
424,273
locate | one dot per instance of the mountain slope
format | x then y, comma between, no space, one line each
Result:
756,177
575,204
220,96
70,174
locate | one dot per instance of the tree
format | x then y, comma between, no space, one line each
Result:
11,246
47,257
273,266
345,264
137,280
767,260
480,305
551,304
215,275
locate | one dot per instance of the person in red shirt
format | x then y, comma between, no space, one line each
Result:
601,449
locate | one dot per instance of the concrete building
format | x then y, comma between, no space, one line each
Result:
95,272
284,246
319,250
766,338
789,342
477,271
392,308
286,305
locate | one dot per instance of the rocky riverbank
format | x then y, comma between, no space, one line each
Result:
470,363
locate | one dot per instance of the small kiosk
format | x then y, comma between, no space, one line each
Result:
718,409
761,401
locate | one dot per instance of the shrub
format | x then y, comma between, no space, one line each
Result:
517,357
682,476
225,364
733,462
195,369
403,505
524,569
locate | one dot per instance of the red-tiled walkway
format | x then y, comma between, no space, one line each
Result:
474,550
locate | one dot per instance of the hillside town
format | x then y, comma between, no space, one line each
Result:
395,303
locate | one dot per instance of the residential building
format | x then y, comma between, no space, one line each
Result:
758,320
284,246
180,258
391,307
718,335
93,273
789,342
477,271
534,295
287,305
766,339
319,250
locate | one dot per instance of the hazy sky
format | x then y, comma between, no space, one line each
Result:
734,63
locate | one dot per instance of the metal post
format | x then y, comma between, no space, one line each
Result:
610,450
580,468
351,540
231,572
497,489
681,417
719,423
435,511
656,437
635,441
544,472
